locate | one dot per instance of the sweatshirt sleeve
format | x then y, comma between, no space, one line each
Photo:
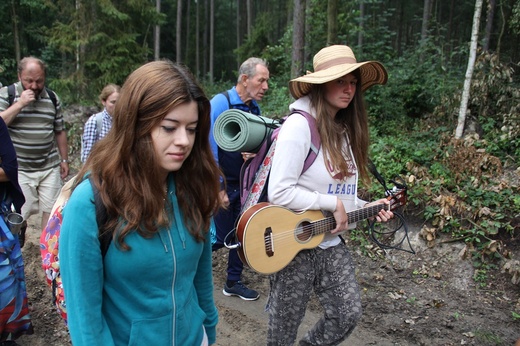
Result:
81,265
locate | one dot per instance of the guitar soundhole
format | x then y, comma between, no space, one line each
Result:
304,232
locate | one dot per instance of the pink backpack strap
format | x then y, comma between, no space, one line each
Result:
315,139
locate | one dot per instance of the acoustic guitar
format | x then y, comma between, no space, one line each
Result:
270,236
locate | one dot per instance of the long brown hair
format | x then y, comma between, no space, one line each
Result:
125,169
352,121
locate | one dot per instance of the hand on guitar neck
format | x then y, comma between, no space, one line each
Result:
270,236
341,216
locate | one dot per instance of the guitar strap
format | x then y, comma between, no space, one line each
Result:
399,184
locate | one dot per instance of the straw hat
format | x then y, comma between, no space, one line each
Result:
334,62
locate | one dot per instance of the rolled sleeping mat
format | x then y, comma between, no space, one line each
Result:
236,130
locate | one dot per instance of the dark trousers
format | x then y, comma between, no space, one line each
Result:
225,221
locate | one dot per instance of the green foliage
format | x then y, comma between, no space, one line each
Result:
457,186
488,337
278,57
515,316
417,81
495,105
276,102
515,18
254,45
109,38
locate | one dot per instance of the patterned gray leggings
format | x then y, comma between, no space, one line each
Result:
331,274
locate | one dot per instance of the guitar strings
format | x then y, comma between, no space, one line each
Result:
379,237
312,228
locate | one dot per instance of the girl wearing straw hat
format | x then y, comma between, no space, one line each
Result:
333,95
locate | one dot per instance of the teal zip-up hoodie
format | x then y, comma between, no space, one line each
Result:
158,293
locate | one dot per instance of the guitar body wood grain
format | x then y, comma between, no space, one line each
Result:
271,236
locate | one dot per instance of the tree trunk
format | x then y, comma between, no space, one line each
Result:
469,72
332,22
16,34
238,18
211,37
298,40
361,26
205,45
197,41
489,24
82,36
157,33
502,29
401,28
187,31
425,21
178,39
450,25
249,18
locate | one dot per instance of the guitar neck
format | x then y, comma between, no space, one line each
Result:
329,223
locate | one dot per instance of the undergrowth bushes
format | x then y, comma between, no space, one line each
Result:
467,189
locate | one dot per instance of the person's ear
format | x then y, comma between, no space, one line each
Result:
243,79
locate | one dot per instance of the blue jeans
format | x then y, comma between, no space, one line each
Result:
225,221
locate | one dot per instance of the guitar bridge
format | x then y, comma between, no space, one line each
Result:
268,242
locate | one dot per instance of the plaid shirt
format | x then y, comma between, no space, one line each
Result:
91,135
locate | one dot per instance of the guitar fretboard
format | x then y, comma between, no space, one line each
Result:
329,223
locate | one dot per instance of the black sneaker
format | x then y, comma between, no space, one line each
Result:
240,290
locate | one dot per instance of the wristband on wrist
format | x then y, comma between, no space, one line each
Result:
66,161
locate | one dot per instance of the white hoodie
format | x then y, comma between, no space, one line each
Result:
315,189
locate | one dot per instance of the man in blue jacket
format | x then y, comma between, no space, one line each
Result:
251,86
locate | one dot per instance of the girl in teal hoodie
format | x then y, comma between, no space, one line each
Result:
159,184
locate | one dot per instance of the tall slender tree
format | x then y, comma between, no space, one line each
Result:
211,38
16,35
361,25
197,39
239,22
186,50
298,40
332,21
249,17
489,24
425,20
157,33
469,72
178,32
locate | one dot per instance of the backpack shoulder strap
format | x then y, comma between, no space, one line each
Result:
99,123
52,96
105,236
226,94
11,93
315,139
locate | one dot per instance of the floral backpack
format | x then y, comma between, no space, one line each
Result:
49,243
